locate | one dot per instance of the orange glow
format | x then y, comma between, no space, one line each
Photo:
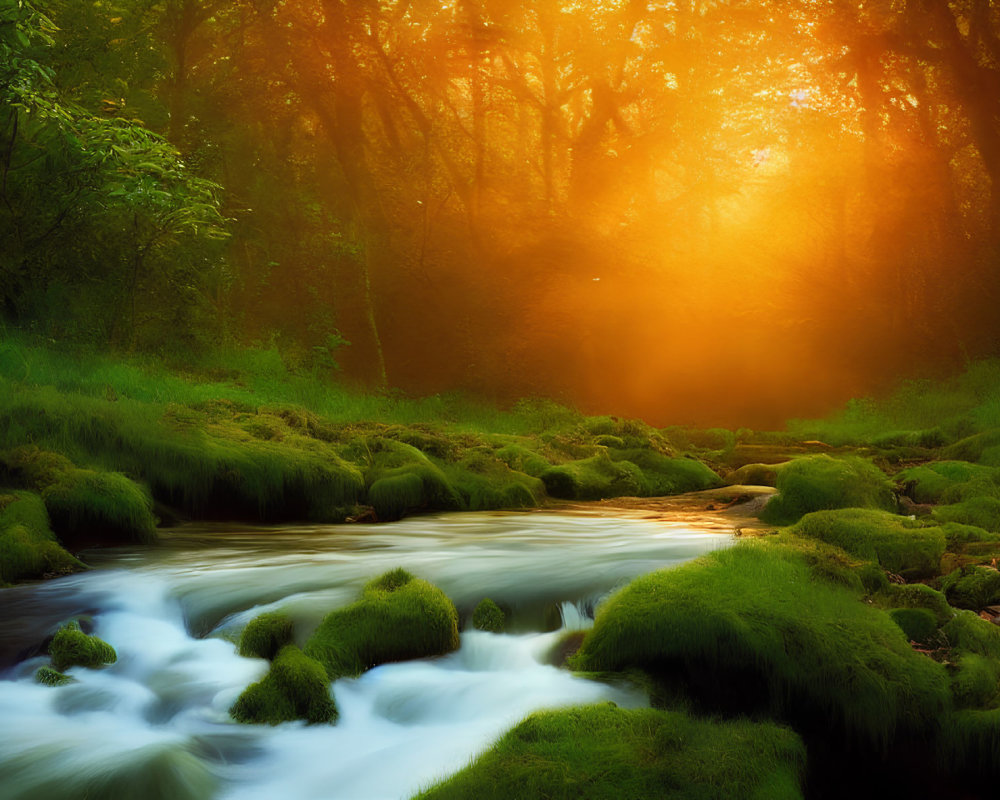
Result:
705,212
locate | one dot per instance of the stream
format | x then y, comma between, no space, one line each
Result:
156,725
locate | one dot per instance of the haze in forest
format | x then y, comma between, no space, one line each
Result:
692,212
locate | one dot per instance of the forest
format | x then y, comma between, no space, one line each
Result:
499,399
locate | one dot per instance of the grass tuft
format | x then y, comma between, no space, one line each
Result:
71,647
265,635
488,616
296,687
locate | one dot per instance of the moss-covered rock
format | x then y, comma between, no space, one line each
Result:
820,482
87,506
28,548
265,635
972,587
967,632
918,624
608,753
488,616
942,481
51,677
296,687
897,543
594,478
71,647
975,680
914,595
663,475
750,628
398,618
982,512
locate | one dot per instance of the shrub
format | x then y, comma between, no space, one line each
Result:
488,617
296,687
748,625
897,543
265,635
820,482
607,753
398,617
71,647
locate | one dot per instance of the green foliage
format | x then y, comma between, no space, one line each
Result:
918,624
972,587
897,543
488,616
265,635
28,548
71,647
85,505
398,618
296,687
820,482
607,753
751,625
51,677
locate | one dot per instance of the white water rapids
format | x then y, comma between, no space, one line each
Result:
156,724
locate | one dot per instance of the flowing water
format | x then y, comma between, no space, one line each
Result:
156,723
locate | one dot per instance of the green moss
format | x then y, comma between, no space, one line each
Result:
662,475
51,677
972,587
484,481
593,478
975,680
265,635
967,632
957,535
398,617
394,495
71,647
820,482
488,617
983,512
897,543
607,753
28,548
85,505
942,481
755,475
748,625
918,624
523,459
914,595
296,687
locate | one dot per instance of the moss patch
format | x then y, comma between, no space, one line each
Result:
972,587
488,616
265,635
398,618
820,482
750,625
982,512
897,543
71,647
87,506
296,687
28,548
607,753
51,677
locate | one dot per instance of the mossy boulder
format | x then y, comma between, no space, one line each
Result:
296,687
484,481
975,680
399,617
982,512
662,475
265,635
51,677
819,482
608,753
28,548
594,478
972,587
87,506
488,616
918,624
897,543
71,647
750,629
942,481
